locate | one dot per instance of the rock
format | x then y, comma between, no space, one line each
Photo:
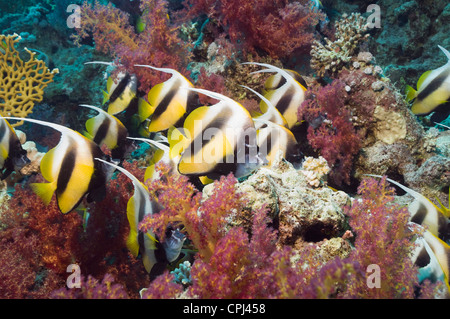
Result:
303,212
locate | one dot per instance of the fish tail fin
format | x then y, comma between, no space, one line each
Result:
44,191
410,93
105,97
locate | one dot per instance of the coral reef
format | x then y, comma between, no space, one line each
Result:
23,82
313,230
332,56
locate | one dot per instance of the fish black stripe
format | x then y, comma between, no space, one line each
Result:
97,185
218,123
102,131
164,104
119,88
423,259
122,134
3,129
141,215
420,214
300,80
141,241
442,226
283,103
278,84
434,85
66,170
268,142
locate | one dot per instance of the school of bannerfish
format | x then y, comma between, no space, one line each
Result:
203,143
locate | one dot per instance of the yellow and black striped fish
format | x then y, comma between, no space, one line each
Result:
219,139
424,212
169,101
155,255
163,154
432,257
433,90
286,95
432,250
70,169
273,138
121,91
107,129
275,81
12,156
270,112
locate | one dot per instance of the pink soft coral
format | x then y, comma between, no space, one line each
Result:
384,237
331,131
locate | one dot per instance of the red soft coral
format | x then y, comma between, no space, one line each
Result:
331,131
203,223
277,27
158,45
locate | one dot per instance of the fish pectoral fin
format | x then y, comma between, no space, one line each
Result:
410,93
87,135
177,141
44,191
91,125
205,180
145,109
153,96
422,79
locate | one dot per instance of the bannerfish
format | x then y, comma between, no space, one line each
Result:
431,256
12,156
169,101
107,129
220,139
273,138
156,255
275,81
121,91
70,169
424,212
270,112
433,90
162,154
286,98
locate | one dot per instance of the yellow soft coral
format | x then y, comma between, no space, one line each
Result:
22,83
